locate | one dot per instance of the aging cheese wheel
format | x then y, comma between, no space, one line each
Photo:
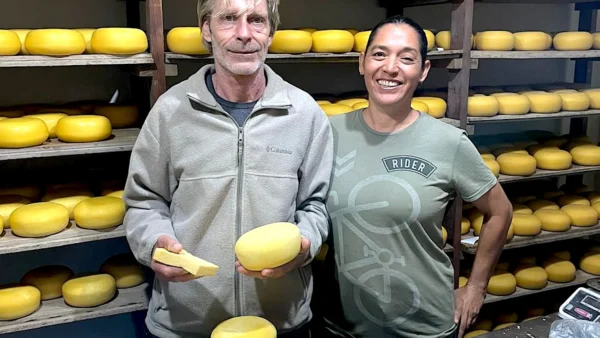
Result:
18,302
39,219
581,215
573,41
99,212
119,41
495,40
49,279
531,41
553,159
553,219
83,128
582,155
245,326
360,41
187,40
10,44
22,132
531,277
55,42
502,284
268,246
516,164
332,41
89,291
291,42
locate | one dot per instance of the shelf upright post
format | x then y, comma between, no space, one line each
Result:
154,20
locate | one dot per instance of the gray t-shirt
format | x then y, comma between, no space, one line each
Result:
239,111
388,196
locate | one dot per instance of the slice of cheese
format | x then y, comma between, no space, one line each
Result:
190,263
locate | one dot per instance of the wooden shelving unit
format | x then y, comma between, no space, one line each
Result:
540,173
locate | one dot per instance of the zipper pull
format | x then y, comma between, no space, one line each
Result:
240,144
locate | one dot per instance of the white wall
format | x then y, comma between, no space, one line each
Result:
68,84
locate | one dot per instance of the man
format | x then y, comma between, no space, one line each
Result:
231,148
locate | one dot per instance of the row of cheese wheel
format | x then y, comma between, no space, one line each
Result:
535,41
434,106
48,282
64,42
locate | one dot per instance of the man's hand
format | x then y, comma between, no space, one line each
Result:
280,270
469,300
167,272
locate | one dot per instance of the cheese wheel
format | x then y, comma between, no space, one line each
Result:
22,34
188,40
482,324
521,209
503,326
476,218
542,204
511,233
493,166
360,105
49,279
419,106
553,159
32,192
336,109
99,212
512,104
117,193
309,29
531,277
39,219
18,302
559,270
590,263
87,36
70,202
50,119
531,260
564,255
8,204
582,155
119,41
516,164
596,41
22,132
482,106
351,102
594,96
573,41
544,103
83,128
353,31
120,116
502,284
569,199
10,44
360,41
437,106
488,156
268,246
245,326
553,219
534,312
291,42
54,42
526,225
332,41
465,225
12,113
495,40
593,197
89,291
430,39
532,41
444,38
511,150
126,271
581,215
574,101
475,333
320,102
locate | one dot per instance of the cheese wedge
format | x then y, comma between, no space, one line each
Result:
190,263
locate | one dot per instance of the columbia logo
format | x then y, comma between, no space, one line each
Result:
273,149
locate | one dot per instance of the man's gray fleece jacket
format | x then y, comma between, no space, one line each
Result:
197,176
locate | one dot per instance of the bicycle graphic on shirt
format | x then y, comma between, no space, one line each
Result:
374,254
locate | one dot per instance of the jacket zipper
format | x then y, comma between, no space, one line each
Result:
238,221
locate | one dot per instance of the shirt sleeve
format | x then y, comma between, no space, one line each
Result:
470,176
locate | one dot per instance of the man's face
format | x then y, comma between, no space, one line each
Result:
240,35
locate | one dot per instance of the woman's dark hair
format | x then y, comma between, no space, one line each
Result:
399,19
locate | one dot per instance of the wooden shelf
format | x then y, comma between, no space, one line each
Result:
121,140
308,57
543,237
531,117
575,169
10,243
74,60
56,311
546,54
580,279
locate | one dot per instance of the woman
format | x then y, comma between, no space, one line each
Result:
396,169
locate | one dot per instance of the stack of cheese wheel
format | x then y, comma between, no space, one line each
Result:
332,41
188,40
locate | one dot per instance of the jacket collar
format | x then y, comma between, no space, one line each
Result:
275,94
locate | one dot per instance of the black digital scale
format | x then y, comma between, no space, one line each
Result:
584,303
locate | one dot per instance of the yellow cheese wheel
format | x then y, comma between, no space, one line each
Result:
559,270
18,302
332,41
245,326
32,192
553,219
22,34
531,277
511,233
574,101
581,215
291,42
87,36
49,279
465,226
503,326
360,41
187,40
594,96
502,284
516,164
482,324
564,255
8,204
593,197
526,225
119,41
117,193
482,106
39,219
512,104
573,41
444,38
582,155
430,39
590,263
596,41
10,44
488,156
512,150
351,102
360,105
54,42
419,106
542,204
120,116
568,199
437,106
532,41
320,102
553,159
50,119
22,132
493,166
70,202
126,271
544,103
336,109
99,212
495,40
521,209
268,246
475,333
83,128
476,218
89,291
